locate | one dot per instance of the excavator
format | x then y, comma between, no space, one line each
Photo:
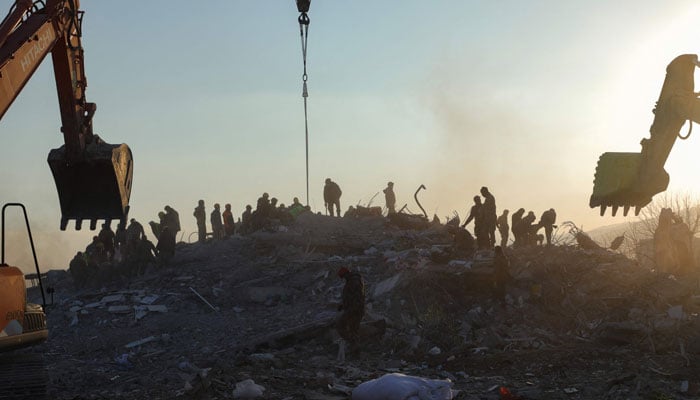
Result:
631,179
93,178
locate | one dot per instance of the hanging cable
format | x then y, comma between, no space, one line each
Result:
303,7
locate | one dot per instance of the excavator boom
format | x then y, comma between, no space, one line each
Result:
93,178
632,179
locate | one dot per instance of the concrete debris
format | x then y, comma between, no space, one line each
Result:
574,323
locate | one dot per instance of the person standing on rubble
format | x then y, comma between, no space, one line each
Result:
134,232
501,274
529,229
229,223
172,219
390,198
489,215
352,308
106,236
246,220
547,220
201,216
476,214
166,245
217,225
503,228
517,227
331,196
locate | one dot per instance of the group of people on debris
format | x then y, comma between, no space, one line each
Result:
128,248
523,226
223,224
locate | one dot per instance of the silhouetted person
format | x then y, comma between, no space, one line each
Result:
331,197
352,308
529,228
475,213
246,220
517,227
79,270
296,208
501,274
390,198
106,236
120,241
157,227
489,215
547,220
172,219
217,225
261,214
503,228
134,232
229,223
166,245
201,216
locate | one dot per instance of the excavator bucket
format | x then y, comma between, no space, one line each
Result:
96,187
621,182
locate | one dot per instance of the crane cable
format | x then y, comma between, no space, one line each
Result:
304,32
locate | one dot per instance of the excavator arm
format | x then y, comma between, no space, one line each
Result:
632,179
93,178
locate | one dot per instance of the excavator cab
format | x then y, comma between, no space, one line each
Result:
97,186
22,323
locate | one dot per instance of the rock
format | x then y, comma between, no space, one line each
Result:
386,286
248,389
264,294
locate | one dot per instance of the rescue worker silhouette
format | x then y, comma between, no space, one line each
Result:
296,208
547,221
166,245
172,219
217,225
501,274
229,223
475,213
489,215
503,228
78,269
246,220
352,308
517,227
390,198
106,237
201,216
134,232
529,228
331,197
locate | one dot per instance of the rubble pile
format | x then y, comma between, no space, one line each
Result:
252,317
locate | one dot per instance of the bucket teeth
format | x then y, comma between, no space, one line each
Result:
603,207
625,210
614,210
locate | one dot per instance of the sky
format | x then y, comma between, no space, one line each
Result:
522,97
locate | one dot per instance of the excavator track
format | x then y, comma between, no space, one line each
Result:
23,376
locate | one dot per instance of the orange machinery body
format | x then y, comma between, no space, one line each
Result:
21,324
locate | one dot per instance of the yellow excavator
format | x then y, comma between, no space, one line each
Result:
93,178
631,179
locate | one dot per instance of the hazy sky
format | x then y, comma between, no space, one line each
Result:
519,96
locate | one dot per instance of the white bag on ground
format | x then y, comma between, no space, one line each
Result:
403,387
247,389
